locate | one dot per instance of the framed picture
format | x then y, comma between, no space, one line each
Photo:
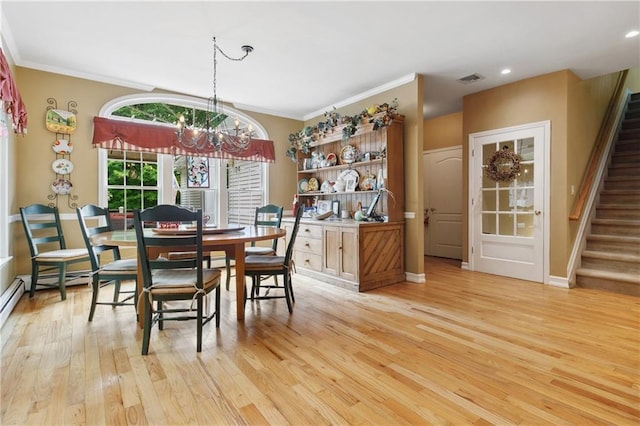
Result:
350,185
197,172
335,206
324,206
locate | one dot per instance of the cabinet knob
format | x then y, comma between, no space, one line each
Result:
306,244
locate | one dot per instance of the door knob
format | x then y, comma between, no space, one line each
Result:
537,212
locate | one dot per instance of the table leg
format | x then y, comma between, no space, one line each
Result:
239,256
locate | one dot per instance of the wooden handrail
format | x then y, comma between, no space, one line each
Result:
599,148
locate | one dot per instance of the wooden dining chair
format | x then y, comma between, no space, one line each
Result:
259,266
106,273
48,248
174,279
268,215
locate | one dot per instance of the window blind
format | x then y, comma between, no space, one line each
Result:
244,191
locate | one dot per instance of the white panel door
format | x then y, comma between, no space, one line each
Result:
507,219
443,203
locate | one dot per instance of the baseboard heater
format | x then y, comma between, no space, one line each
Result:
9,299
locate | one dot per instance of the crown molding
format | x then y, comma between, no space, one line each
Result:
364,95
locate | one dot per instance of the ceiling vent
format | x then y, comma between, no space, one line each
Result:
471,78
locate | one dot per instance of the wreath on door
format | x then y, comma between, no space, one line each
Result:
503,165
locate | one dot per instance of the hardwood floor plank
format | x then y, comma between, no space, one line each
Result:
462,348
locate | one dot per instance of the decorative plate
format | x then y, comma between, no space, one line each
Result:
62,146
349,154
332,159
368,183
303,185
61,186
327,187
60,121
62,166
349,174
313,184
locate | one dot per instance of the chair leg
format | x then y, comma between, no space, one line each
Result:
160,321
95,284
287,293
218,307
228,266
116,292
293,297
34,278
62,274
146,333
199,324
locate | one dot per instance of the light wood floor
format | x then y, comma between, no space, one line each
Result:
464,348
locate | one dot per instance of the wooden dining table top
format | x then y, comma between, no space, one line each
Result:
229,238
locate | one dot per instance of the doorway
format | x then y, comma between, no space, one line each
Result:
508,207
443,197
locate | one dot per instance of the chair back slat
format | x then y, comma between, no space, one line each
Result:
269,215
42,226
100,217
165,243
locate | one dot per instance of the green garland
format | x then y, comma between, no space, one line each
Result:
301,141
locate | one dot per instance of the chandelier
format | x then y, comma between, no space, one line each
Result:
214,133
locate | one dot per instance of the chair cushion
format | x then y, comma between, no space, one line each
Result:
63,255
259,251
120,266
263,263
180,281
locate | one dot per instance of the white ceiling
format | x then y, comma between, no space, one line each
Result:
310,56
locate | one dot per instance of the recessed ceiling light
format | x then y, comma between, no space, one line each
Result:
633,33
505,71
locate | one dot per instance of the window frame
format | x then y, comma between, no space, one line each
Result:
165,161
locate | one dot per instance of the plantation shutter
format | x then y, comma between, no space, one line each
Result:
244,189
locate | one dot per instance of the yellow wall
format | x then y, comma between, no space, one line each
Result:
34,153
576,109
410,100
443,132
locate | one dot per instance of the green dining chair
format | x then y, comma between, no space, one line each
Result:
183,279
106,273
47,247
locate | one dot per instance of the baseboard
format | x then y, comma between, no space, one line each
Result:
562,282
464,266
414,278
9,299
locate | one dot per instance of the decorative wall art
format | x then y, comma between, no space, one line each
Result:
63,124
197,172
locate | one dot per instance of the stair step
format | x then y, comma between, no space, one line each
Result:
627,145
623,169
611,262
618,211
608,281
622,182
626,157
614,243
626,134
631,123
623,227
632,113
620,196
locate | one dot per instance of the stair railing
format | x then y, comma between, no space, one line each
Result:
600,151
593,179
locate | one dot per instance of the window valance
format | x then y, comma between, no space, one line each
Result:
135,136
11,96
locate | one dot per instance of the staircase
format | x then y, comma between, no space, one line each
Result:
611,259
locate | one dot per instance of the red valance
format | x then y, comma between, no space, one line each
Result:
11,96
134,136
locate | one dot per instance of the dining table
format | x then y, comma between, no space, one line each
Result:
230,238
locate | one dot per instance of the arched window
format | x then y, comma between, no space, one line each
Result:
227,191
